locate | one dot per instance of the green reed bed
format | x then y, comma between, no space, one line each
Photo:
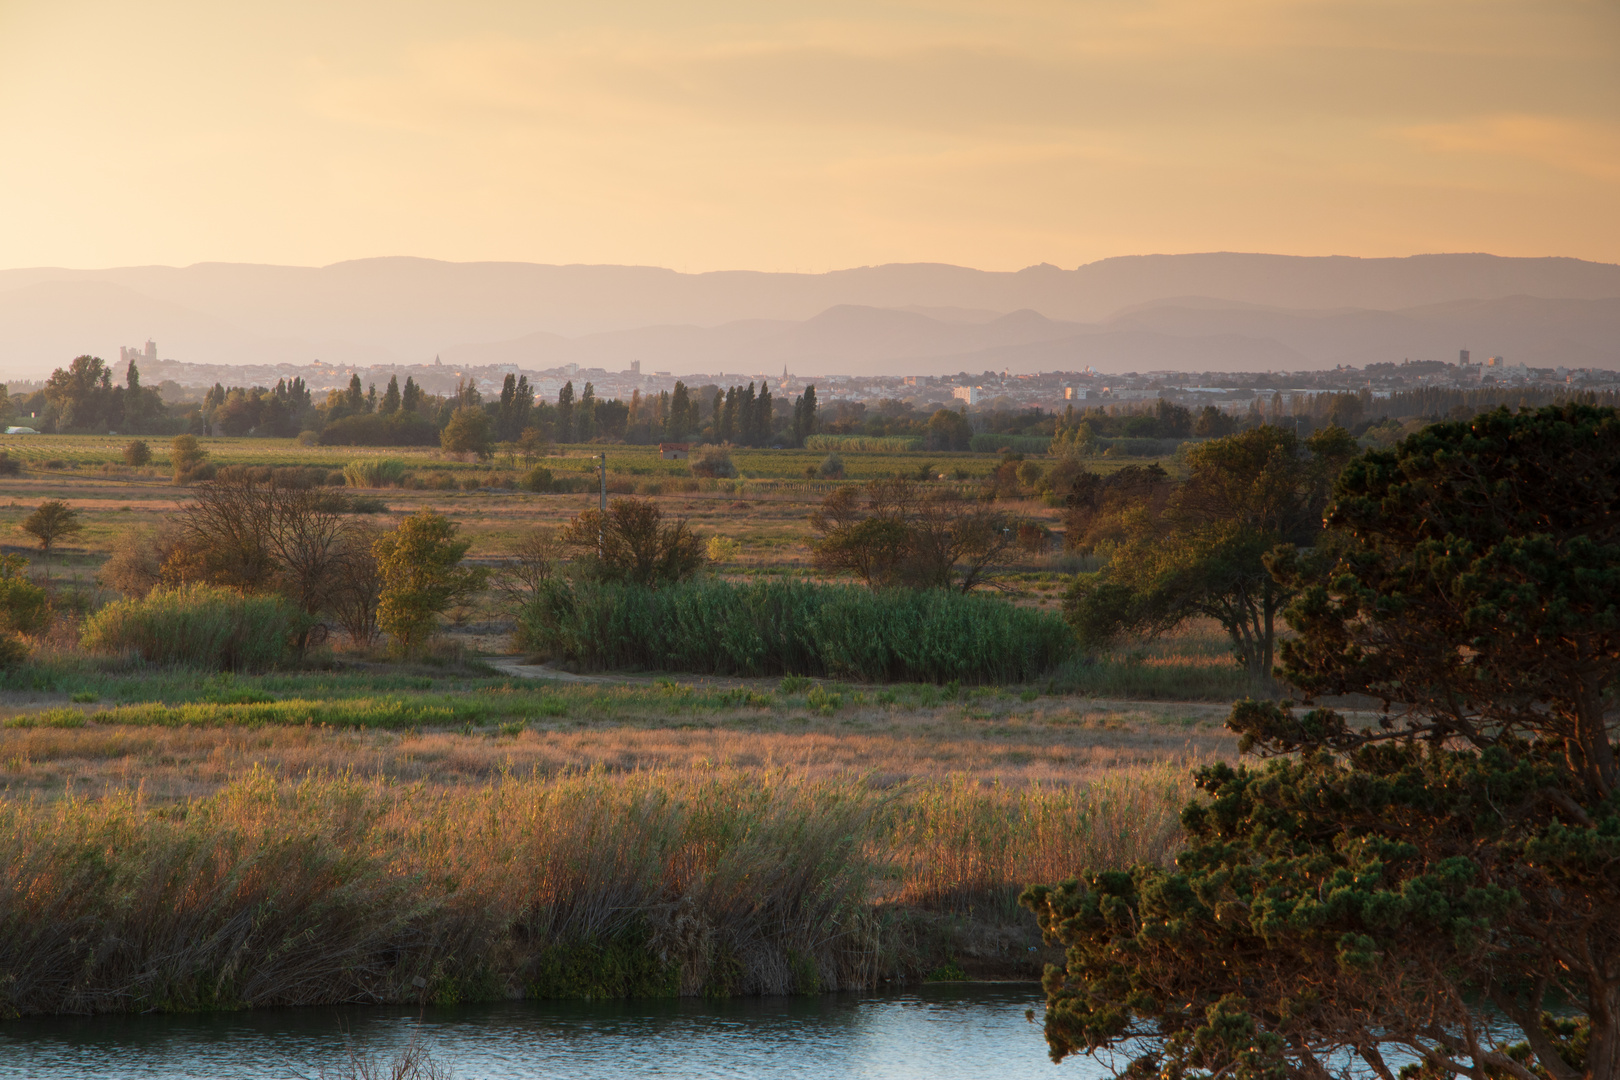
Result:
795,628
203,625
276,893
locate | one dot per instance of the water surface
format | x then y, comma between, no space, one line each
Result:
951,1032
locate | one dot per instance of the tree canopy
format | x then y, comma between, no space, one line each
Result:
1200,550
1358,896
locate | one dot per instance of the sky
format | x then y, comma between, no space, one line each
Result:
804,135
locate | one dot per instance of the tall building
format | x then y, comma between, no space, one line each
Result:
128,354
1462,357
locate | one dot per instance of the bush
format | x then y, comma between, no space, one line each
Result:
137,453
636,545
13,650
201,625
714,462
721,549
466,433
25,608
832,468
1022,444
186,456
794,628
9,466
420,577
374,472
370,429
538,480
877,444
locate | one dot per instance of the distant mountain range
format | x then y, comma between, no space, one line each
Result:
1228,312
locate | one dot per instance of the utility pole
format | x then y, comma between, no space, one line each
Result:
601,521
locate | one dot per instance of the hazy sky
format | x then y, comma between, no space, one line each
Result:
804,135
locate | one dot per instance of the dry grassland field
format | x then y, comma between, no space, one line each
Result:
960,794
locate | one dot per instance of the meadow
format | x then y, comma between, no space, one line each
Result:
472,824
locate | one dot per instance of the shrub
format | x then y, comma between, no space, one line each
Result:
135,567
721,549
714,462
25,608
636,545
1023,444
9,466
466,433
137,453
794,628
537,479
421,575
309,438
832,468
13,650
370,429
186,457
201,625
878,444
373,472
901,536
50,523
357,585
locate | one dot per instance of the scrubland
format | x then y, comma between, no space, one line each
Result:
349,829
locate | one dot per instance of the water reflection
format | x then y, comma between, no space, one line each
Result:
941,1032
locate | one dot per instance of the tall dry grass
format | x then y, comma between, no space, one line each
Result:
963,844
278,893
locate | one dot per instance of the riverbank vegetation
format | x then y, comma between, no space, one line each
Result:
272,892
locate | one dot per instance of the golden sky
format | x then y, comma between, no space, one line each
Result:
804,135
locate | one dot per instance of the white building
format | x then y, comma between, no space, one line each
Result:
969,394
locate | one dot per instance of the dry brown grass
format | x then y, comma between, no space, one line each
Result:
1049,741
275,892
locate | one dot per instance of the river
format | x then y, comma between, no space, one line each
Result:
941,1032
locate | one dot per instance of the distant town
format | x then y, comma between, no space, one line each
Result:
1229,391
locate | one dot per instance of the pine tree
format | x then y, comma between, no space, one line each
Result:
565,412
763,416
390,401
676,427
410,399
585,415
726,424
745,416
804,416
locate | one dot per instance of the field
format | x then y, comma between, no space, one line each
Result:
765,508
933,805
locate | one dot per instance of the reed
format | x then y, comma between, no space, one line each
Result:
795,628
373,472
201,625
277,893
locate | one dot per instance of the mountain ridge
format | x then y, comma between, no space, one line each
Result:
397,309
